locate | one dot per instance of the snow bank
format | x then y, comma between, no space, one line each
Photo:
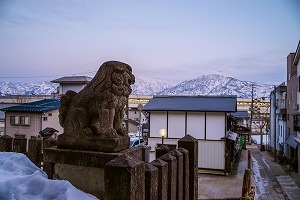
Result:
21,179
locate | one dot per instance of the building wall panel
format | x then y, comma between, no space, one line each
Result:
211,154
215,125
158,120
176,124
196,124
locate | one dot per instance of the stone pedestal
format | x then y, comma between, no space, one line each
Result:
93,143
84,169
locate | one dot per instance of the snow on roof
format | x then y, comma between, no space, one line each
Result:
21,179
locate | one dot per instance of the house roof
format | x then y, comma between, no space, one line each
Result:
192,103
297,54
241,114
72,79
48,130
37,106
4,105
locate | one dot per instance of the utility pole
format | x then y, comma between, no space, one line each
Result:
275,122
251,111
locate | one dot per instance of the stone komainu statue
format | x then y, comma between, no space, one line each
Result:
98,108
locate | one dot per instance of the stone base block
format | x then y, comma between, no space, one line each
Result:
93,143
84,169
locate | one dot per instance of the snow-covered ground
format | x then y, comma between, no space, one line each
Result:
21,179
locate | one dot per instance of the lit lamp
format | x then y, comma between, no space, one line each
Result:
162,133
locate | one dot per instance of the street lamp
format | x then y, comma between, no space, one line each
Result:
162,133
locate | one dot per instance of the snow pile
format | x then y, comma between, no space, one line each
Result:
21,179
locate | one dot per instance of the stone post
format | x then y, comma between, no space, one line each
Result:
35,150
191,144
124,178
172,174
162,178
146,153
6,143
20,144
151,182
47,166
161,150
179,182
246,183
249,161
185,176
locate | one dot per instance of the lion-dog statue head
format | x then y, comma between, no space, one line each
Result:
98,107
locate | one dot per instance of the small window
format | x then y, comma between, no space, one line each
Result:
24,120
45,118
49,114
14,120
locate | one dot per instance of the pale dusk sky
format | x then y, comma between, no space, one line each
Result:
171,40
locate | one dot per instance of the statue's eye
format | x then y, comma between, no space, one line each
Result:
117,78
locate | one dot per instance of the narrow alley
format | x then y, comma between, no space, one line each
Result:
271,180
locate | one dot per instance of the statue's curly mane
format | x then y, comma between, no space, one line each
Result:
103,79
109,89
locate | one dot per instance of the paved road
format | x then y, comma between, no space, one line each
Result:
271,180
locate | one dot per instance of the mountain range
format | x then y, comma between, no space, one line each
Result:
213,84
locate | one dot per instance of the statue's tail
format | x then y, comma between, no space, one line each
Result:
64,106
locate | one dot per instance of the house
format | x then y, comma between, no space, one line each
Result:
203,117
291,108
13,100
277,136
242,118
297,116
75,83
136,117
29,119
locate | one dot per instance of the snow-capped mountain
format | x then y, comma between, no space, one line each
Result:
204,85
40,88
219,85
148,86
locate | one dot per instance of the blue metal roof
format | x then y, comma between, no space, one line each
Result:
37,106
241,114
192,103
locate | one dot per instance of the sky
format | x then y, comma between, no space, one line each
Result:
42,40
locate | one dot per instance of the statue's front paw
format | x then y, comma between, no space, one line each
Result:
110,133
122,132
